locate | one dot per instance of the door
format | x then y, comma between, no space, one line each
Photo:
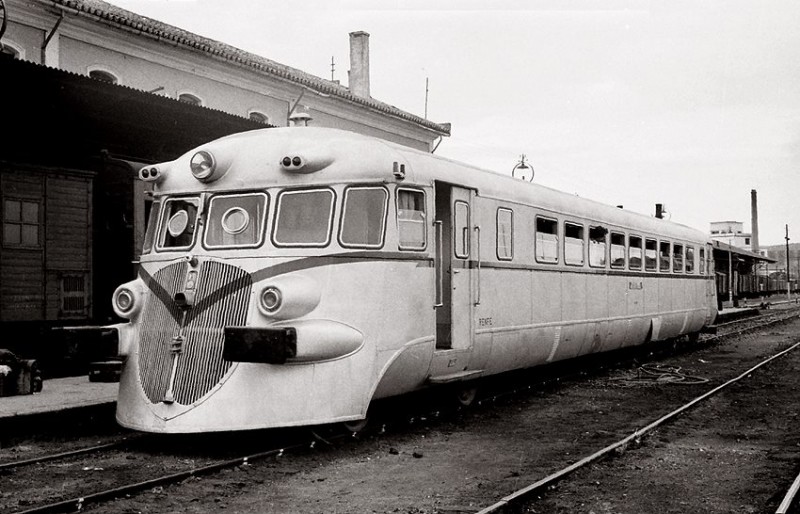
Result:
454,276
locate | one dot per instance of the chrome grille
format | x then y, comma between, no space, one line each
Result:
222,298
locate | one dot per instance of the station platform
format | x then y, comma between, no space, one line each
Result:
57,395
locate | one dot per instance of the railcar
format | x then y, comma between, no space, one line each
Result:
292,276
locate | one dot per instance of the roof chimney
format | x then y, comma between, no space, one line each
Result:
754,221
358,76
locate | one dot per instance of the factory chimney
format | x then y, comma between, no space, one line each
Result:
754,221
358,76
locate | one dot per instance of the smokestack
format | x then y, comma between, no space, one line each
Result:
754,221
358,76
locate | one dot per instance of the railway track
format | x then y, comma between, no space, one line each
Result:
178,464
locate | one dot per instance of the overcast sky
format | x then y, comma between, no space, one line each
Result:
690,104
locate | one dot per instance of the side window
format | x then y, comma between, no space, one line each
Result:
21,220
663,256
461,230
411,224
304,218
546,240
236,220
597,247
617,250
702,260
690,259
573,243
178,223
677,258
364,217
505,234
635,252
650,255
152,223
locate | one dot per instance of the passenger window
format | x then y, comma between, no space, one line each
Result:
152,223
634,252
663,256
364,217
617,250
690,259
597,247
677,258
573,244
461,232
650,255
702,259
411,225
546,240
505,234
304,218
178,224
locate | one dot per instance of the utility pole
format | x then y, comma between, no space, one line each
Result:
788,275
333,68
730,272
426,98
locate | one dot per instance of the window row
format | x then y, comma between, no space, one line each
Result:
600,248
303,218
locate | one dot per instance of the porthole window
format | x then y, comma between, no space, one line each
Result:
235,220
178,223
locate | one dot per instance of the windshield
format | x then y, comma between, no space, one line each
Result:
236,220
178,223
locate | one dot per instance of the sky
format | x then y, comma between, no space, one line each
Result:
630,102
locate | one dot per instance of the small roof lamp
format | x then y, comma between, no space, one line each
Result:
300,119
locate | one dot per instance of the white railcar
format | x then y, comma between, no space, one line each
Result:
292,276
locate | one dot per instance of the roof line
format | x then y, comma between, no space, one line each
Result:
141,25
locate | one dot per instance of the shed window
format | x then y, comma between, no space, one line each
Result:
677,258
104,76
260,117
617,250
635,252
663,256
21,223
189,98
411,225
364,217
304,218
461,232
690,259
505,234
597,247
650,255
573,243
236,220
546,240
179,223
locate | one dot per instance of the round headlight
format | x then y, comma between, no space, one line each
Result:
271,299
124,300
202,165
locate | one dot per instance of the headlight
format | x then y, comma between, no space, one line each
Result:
127,300
271,299
202,165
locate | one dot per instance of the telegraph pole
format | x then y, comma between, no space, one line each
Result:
788,275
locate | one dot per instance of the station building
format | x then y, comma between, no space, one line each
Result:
90,93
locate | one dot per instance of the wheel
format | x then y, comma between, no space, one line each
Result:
466,395
356,425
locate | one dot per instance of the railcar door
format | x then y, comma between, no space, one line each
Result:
453,253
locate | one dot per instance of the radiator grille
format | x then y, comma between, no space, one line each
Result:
222,298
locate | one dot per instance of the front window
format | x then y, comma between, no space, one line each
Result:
304,218
364,217
236,220
152,224
178,224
